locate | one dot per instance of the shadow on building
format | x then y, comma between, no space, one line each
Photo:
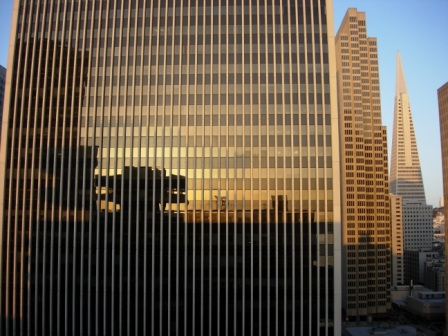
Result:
123,252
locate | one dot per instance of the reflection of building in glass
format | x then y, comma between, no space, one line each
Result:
405,173
365,192
45,190
170,168
131,182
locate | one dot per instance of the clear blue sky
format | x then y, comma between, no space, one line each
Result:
419,30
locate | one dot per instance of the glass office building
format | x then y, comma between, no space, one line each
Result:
170,167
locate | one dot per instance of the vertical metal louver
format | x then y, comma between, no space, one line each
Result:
170,169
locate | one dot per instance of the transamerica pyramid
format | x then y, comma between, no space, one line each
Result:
406,176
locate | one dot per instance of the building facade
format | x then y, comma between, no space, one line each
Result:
442,94
415,261
435,274
364,172
396,223
170,167
405,173
2,92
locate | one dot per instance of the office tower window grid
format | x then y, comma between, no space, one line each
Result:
397,240
442,95
365,193
169,169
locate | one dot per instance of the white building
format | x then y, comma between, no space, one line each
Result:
405,176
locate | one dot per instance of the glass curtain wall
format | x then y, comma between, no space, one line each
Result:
169,169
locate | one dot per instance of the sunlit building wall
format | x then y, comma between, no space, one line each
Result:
396,222
442,94
364,172
170,167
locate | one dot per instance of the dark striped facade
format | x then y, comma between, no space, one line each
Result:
170,168
2,90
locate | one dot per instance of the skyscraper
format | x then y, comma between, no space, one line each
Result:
442,94
364,172
405,173
170,167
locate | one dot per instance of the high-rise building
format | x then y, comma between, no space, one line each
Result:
405,173
2,92
442,94
170,167
364,172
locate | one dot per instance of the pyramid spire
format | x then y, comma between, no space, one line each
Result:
400,81
405,176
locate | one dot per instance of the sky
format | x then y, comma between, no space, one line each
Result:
416,28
